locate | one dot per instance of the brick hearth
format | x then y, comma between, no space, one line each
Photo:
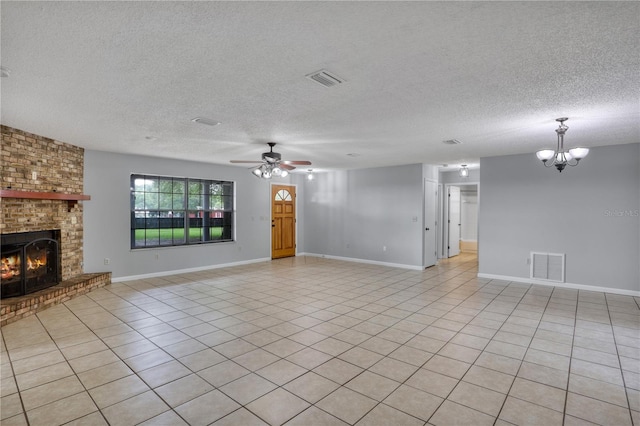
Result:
15,308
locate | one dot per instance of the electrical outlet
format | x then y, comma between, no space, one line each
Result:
384,248
34,175
107,261
157,256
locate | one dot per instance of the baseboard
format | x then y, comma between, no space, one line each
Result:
370,262
187,270
561,285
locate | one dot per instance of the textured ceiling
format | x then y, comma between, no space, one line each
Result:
129,77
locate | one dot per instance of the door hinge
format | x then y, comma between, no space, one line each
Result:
448,247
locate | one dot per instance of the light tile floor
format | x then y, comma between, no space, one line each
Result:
310,341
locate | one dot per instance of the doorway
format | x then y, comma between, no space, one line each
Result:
459,217
283,221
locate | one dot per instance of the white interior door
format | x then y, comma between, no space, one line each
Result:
454,221
430,231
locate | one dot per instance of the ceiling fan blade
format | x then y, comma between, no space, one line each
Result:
298,163
286,166
244,161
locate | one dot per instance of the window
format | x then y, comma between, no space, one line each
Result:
171,211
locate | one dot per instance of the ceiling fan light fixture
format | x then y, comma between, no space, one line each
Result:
464,171
272,164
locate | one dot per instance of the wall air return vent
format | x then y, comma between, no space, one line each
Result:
547,266
326,78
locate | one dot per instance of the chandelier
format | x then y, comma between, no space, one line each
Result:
561,158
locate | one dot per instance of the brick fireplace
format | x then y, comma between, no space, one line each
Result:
42,183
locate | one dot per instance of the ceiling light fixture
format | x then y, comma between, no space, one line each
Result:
561,158
207,121
272,164
310,174
464,171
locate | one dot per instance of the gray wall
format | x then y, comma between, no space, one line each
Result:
589,212
107,217
356,213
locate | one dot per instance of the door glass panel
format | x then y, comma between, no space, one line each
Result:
283,195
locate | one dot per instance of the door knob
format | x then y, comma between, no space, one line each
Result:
427,229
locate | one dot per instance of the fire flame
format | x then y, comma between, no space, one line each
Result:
9,267
35,263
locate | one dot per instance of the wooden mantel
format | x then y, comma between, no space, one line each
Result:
71,199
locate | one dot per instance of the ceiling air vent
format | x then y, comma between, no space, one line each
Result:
452,142
325,78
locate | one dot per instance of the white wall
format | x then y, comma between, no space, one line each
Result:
589,212
468,214
452,176
356,213
107,217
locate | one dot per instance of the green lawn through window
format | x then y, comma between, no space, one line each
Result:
176,233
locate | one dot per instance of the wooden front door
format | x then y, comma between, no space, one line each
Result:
283,221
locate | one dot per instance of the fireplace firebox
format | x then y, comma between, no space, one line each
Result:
29,261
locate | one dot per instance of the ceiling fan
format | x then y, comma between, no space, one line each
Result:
272,164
